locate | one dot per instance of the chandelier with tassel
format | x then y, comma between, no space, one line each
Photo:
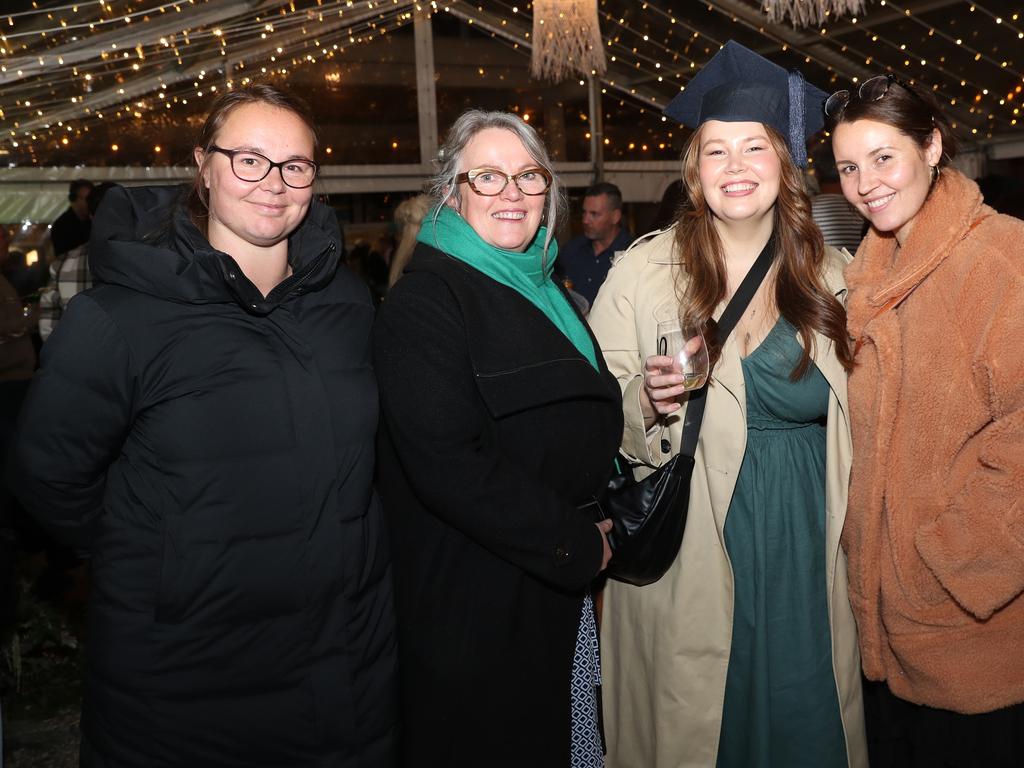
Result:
566,39
806,13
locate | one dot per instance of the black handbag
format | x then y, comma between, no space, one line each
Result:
649,515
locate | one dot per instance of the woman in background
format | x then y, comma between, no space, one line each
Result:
408,216
935,532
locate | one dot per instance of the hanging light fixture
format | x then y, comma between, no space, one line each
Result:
566,39
806,13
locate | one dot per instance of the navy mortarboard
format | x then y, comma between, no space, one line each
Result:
737,85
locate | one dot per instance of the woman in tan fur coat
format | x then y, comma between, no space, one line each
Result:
935,527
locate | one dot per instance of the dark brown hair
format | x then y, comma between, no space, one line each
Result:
912,111
801,295
221,109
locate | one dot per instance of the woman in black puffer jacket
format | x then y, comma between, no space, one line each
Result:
203,424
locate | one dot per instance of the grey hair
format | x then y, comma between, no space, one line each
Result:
442,186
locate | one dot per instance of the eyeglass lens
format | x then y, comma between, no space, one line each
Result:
488,182
250,166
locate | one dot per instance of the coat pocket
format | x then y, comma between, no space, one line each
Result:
919,585
540,384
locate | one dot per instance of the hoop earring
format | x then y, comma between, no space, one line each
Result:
935,173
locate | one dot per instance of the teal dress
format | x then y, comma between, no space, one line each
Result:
781,706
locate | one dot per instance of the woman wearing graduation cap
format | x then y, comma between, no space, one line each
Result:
745,652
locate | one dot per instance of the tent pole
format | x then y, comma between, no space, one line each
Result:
426,96
596,128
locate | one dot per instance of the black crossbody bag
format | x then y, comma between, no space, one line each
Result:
649,515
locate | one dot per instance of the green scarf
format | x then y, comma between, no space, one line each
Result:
523,272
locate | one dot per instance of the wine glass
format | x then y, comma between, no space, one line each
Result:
685,345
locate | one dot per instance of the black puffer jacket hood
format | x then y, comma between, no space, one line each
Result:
143,238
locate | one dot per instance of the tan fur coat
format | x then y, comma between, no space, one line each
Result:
935,527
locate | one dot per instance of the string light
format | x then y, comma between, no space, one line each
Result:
48,85
363,23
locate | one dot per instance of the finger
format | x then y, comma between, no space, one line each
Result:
662,381
657,362
666,393
666,408
606,525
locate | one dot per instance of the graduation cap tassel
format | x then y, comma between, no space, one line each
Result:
805,13
797,119
566,39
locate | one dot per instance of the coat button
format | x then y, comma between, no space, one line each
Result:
561,553
666,446
232,276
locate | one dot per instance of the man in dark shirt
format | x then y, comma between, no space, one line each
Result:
586,259
71,229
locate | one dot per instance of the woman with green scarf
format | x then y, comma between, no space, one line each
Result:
499,419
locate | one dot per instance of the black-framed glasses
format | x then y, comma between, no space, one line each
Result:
872,89
252,166
490,181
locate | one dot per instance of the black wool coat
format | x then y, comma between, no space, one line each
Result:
494,428
213,450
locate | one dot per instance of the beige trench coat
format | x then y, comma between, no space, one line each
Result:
665,647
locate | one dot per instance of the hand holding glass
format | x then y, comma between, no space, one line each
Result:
685,345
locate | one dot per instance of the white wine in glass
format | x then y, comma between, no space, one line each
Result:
685,345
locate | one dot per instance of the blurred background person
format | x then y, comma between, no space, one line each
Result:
25,279
370,266
71,229
935,531
840,223
499,418
408,217
670,207
203,425
69,274
585,259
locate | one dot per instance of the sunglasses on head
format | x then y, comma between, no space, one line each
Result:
870,90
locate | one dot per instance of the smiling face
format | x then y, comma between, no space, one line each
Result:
739,171
884,173
263,213
511,219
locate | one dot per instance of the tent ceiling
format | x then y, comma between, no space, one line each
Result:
130,68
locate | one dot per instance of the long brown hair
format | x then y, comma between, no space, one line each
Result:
197,201
801,295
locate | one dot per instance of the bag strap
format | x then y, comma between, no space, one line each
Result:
733,312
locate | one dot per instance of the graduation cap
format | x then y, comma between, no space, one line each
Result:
738,86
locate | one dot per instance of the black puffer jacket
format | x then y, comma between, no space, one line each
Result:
214,451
